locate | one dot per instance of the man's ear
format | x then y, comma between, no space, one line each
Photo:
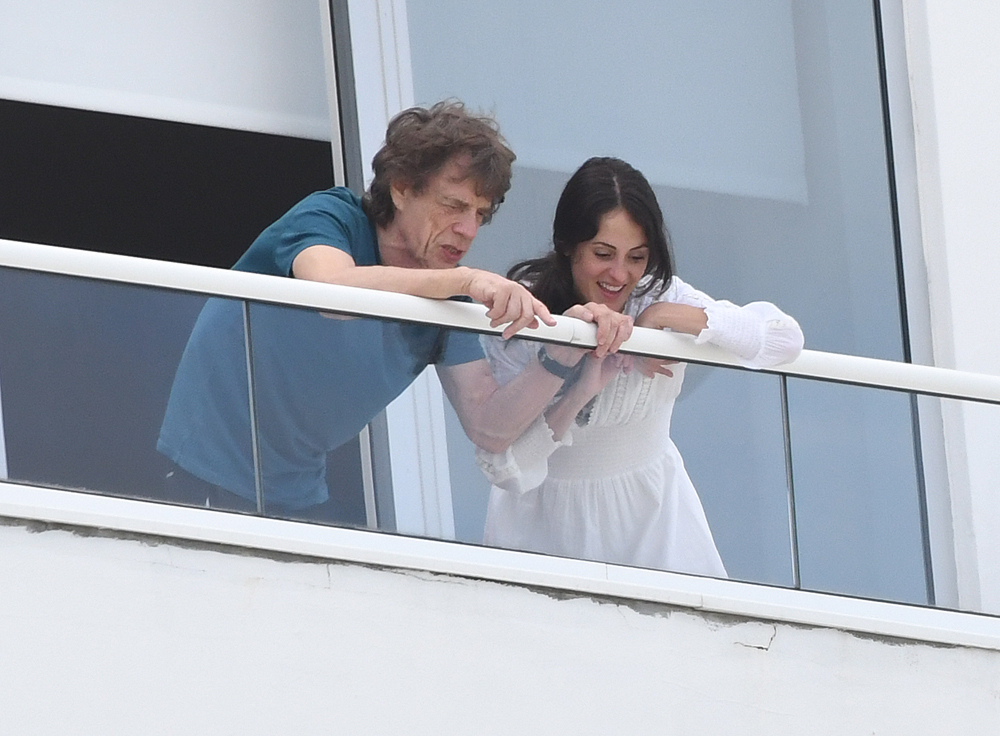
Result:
400,193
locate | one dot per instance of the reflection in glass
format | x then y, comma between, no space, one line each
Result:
614,488
283,469
963,502
86,368
727,424
857,492
318,380
206,431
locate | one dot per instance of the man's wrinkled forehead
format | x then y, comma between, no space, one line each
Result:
458,170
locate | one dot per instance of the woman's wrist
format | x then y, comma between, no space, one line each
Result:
676,317
564,354
555,366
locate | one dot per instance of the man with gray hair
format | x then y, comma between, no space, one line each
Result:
440,175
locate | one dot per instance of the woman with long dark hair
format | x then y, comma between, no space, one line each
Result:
597,475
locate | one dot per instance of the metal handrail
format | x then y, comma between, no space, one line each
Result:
835,367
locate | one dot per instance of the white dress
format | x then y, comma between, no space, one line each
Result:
614,488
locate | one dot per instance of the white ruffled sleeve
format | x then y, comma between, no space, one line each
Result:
759,333
524,465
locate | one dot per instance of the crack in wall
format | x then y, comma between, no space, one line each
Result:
761,647
642,607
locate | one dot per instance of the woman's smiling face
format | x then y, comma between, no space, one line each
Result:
607,267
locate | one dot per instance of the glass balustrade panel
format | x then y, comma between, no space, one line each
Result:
86,371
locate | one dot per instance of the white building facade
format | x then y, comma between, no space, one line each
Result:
121,615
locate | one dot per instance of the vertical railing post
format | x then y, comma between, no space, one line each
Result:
368,478
258,479
925,523
793,532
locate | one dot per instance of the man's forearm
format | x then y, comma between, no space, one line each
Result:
494,416
507,303
434,283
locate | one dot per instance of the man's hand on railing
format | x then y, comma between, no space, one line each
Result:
507,302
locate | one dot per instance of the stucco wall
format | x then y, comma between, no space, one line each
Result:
105,635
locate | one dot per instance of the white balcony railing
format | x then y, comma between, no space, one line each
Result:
18,501
850,369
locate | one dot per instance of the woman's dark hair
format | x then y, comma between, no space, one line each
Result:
418,144
598,187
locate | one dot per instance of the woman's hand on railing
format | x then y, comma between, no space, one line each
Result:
613,328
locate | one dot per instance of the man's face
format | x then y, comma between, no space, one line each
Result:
436,227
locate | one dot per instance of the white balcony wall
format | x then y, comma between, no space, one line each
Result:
122,634
101,634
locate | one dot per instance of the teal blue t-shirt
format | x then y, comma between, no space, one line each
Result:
332,217
318,379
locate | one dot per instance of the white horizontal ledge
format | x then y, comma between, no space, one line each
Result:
388,305
164,108
21,503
